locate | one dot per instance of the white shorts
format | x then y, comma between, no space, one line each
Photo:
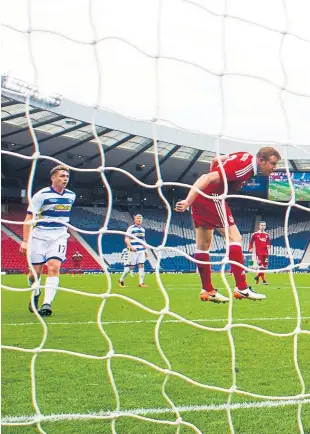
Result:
43,250
137,257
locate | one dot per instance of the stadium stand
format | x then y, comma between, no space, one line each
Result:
181,235
11,260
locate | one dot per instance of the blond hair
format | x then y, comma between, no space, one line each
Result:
266,152
58,168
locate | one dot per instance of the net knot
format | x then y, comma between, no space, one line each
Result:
159,183
179,421
37,418
225,260
110,354
297,330
160,247
100,169
233,389
103,229
35,155
164,311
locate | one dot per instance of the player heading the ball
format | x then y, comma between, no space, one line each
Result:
52,207
210,214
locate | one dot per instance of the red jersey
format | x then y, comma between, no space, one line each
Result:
77,257
261,241
238,168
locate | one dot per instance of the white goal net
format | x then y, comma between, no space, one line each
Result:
216,76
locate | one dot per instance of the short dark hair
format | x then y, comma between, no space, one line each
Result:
267,151
58,168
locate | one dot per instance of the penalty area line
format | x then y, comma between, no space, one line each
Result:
153,321
7,420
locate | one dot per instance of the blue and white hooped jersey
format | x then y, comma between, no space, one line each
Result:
53,209
139,232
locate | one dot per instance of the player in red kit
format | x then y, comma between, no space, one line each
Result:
213,213
261,241
77,258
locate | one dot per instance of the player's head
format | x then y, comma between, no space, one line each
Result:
77,252
267,160
60,176
262,226
138,219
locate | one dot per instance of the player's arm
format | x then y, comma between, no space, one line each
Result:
215,161
35,206
201,184
26,231
251,243
268,245
128,243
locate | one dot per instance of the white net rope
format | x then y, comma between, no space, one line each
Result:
302,397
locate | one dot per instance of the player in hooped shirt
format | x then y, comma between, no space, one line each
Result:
213,213
261,241
51,207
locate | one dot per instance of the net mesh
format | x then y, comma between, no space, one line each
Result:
302,397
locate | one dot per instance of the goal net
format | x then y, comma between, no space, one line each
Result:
215,76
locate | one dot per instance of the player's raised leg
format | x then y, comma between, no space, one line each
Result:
127,270
37,259
203,244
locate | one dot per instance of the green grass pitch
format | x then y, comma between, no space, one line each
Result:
70,385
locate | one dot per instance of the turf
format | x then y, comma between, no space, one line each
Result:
70,385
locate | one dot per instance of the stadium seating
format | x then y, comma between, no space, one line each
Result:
11,259
17,214
180,235
88,262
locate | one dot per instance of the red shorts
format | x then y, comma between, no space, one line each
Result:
262,261
209,213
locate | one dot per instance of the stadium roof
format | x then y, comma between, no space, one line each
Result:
72,141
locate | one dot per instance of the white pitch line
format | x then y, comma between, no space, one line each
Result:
289,318
193,287
149,411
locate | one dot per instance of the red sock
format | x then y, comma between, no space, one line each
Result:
257,276
204,270
262,275
235,254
